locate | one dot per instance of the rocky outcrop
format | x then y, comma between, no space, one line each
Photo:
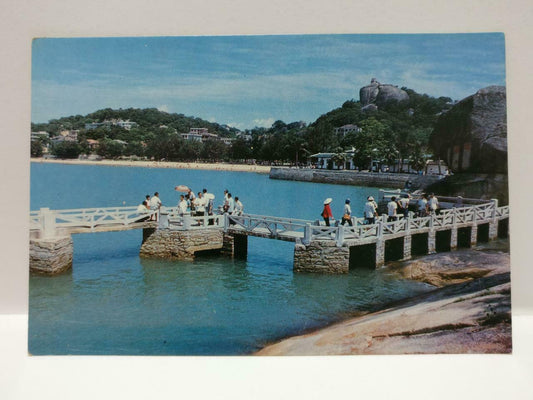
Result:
379,94
472,135
465,318
476,186
470,314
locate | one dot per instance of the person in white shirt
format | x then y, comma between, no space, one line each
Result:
370,210
392,206
404,205
423,206
155,204
199,205
239,208
231,204
433,203
143,209
182,205
347,215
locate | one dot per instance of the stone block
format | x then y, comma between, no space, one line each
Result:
51,255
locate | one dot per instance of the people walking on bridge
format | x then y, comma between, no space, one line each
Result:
155,204
403,205
230,204
433,204
239,208
423,206
347,215
392,207
326,212
182,205
370,210
143,208
200,204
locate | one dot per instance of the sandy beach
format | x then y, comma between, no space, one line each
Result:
261,169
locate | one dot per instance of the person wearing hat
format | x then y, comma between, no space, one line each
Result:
370,210
326,212
347,217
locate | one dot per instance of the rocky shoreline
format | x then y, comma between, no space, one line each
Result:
468,312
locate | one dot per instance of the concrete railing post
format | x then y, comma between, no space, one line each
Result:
493,223
48,223
307,234
226,222
163,220
339,235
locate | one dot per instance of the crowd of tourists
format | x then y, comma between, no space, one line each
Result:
397,206
200,204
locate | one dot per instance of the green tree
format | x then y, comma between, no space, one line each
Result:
214,150
111,149
240,150
36,148
66,150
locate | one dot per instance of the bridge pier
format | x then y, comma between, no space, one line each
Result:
51,255
473,235
321,256
407,241
180,244
453,238
380,252
235,245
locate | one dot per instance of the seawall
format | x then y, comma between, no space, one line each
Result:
354,178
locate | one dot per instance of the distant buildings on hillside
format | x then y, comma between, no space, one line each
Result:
203,135
345,129
109,123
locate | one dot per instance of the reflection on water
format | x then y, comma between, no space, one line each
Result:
113,302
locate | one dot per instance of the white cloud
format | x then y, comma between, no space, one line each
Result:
163,108
264,122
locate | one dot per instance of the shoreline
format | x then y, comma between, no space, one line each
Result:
470,309
260,169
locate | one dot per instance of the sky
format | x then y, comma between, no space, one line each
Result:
249,81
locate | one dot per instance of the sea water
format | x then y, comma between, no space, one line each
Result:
114,302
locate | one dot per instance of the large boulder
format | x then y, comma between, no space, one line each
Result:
379,94
472,135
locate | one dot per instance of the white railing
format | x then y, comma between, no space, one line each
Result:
48,221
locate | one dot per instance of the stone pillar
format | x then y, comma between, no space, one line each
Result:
235,245
380,253
473,235
432,241
321,256
453,238
407,239
147,232
51,255
493,224
181,244
493,229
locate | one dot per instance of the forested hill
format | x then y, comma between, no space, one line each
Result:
394,130
146,118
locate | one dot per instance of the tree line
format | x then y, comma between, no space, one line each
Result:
394,131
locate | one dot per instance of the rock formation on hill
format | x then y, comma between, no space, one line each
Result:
472,135
378,94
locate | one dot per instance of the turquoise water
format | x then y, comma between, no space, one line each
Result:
113,302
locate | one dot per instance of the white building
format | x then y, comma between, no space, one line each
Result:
345,129
191,136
